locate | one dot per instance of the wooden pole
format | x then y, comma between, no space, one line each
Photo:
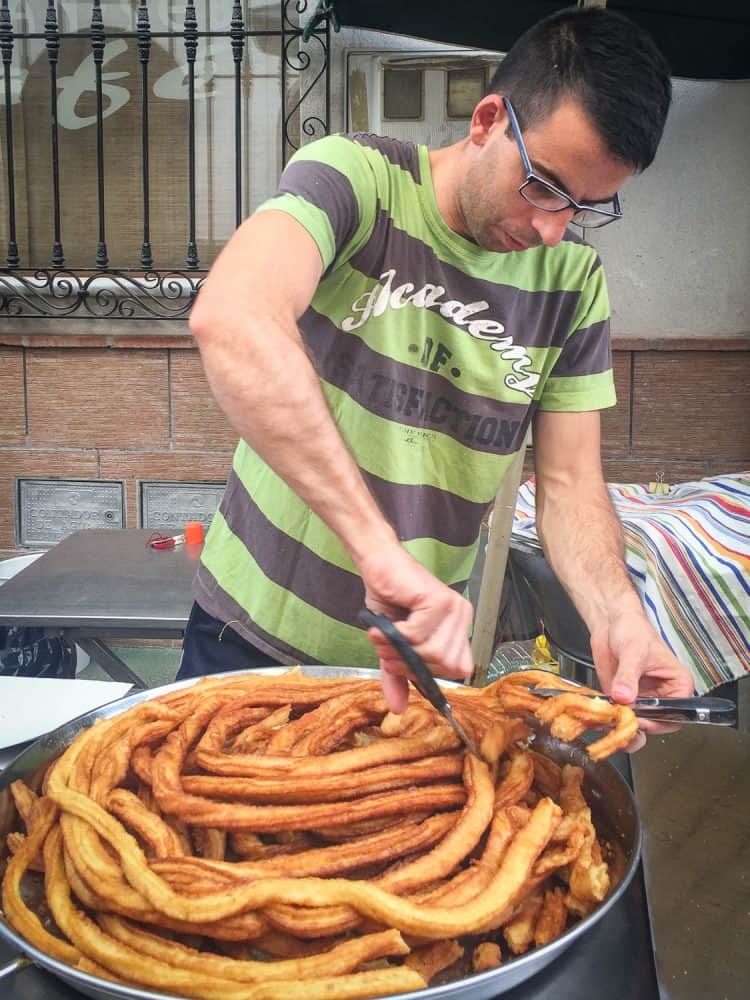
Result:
493,574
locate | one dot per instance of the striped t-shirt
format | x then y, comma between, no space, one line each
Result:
433,355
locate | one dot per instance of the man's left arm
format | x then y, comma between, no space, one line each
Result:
583,541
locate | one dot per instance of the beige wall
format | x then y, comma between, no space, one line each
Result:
678,263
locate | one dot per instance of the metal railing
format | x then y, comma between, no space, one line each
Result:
149,288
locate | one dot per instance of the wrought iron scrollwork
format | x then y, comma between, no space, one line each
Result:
297,56
312,125
98,294
147,288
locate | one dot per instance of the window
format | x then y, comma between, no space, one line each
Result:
464,89
402,94
206,81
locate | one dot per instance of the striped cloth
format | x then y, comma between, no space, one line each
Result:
688,553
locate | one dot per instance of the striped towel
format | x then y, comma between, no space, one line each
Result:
688,553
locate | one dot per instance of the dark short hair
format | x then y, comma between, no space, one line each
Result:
601,59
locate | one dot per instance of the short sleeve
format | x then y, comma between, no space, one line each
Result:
581,378
329,188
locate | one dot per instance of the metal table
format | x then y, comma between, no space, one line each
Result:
100,584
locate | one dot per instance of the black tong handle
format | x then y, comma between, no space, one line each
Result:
422,677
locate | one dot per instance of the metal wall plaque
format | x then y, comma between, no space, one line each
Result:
169,506
50,509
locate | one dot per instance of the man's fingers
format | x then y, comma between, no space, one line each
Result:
446,650
395,690
637,743
457,652
444,643
625,683
648,729
658,728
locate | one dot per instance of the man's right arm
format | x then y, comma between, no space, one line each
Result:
245,324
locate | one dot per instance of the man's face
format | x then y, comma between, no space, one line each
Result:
564,148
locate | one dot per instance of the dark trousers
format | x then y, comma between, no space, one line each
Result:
212,647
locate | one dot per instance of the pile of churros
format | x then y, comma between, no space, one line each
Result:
286,836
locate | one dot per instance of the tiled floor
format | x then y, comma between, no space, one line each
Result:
693,792
155,665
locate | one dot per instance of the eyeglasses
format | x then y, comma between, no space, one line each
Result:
542,194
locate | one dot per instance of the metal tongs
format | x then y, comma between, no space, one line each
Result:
420,674
701,710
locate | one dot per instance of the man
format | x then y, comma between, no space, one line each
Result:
381,333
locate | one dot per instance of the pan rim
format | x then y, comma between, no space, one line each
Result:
54,742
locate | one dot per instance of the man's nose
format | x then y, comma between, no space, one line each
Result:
551,226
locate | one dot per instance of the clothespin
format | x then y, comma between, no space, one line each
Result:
193,535
542,654
325,9
659,487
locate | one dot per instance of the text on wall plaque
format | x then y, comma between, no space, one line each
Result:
48,510
169,506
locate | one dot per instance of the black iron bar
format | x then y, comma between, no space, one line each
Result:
208,172
237,35
190,34
327,77
266,33
6,46
52,37
138,292
282,54
144,53
98,42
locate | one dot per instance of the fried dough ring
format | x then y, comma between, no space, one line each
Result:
128,963
324,787
552,917
172,799
161,838
19,915
338,805
397,750
341,958
404,838
369,900
441,860
516,782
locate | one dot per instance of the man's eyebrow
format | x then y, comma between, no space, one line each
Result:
552,176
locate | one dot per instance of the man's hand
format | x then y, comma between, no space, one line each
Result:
633,661
434,618
582,539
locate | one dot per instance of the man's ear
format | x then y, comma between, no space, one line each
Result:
488,113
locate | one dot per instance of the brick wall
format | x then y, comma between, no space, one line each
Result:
683,410
137,407
126,409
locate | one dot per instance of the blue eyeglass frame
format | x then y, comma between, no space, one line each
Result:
608,216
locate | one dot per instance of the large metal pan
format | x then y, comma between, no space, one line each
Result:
612,806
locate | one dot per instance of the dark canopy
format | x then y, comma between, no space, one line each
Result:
700,39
